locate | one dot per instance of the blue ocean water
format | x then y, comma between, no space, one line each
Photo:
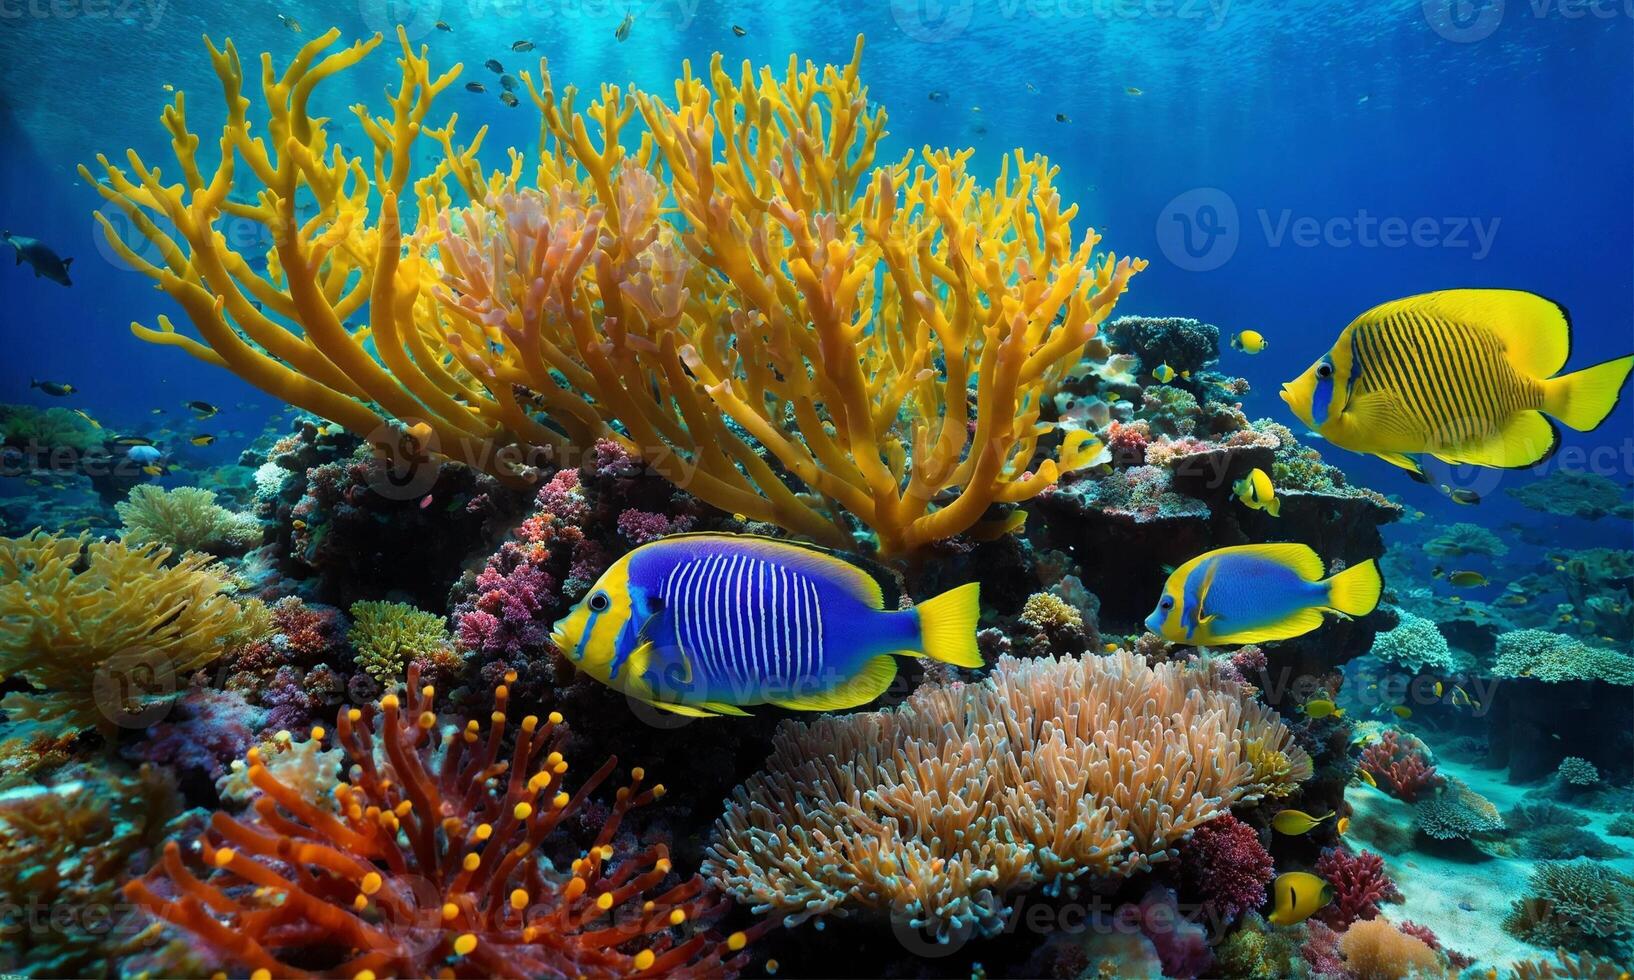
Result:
1283,166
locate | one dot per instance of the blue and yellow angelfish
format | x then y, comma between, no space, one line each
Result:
706,624
1257,593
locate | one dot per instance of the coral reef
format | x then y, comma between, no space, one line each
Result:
185,519
1050,770
388,636
1554,657
1359,884
1463,540
1184,344
1416,645
1579,905
1456,812
104,633
885,293
1400,764
1577,771
65,849
1377,950
1588,496
1565,966
435,859
1225,866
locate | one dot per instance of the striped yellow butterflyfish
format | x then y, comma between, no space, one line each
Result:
1465,375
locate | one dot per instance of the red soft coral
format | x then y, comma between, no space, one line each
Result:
1225,866
1358,883
1400,766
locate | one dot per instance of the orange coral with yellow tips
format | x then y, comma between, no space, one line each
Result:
430,862
733,289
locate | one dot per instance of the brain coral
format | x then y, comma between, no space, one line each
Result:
936,812
1553,657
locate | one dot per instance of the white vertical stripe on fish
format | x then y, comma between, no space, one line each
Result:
734,597
817,616
784,595
708,597
688,617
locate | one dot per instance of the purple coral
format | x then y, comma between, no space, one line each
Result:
641,526
208,729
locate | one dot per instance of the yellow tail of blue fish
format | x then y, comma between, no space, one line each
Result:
1355,591
947,626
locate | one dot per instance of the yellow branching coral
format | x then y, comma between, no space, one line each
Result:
100,642
935,813
185,519
731,287
387,636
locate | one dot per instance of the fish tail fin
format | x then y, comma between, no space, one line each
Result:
1584,398
947,626
1274,508
1355,591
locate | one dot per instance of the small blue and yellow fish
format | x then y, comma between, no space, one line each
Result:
705,624
1257,493
1256,593
1166,374
1465,375
1248,341
1296,896
1460,495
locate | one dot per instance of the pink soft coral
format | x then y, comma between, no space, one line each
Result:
1359,885
640,526
1225,866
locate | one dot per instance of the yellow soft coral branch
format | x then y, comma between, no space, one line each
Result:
731,285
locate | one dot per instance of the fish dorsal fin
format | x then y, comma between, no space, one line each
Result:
1299,557
873,680
805,558
1536,332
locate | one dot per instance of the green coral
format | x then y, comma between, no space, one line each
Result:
1575,904
185,519
47,428
1554,657
1417,645
1585,495
386,636
1257,952
1463,539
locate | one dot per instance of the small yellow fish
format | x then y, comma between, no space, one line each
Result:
1467,579
1109,647
202,410
1113,396
1296,896
1402,711
298,524
1438,688
1322,708
1248,341
1343,826
152,470
623,31
1165,373
204,439
169,87
1468,498
1256,493
1367,778
1292,823
82,413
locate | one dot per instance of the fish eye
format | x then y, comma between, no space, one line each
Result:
599,602
1167,603
1324,370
